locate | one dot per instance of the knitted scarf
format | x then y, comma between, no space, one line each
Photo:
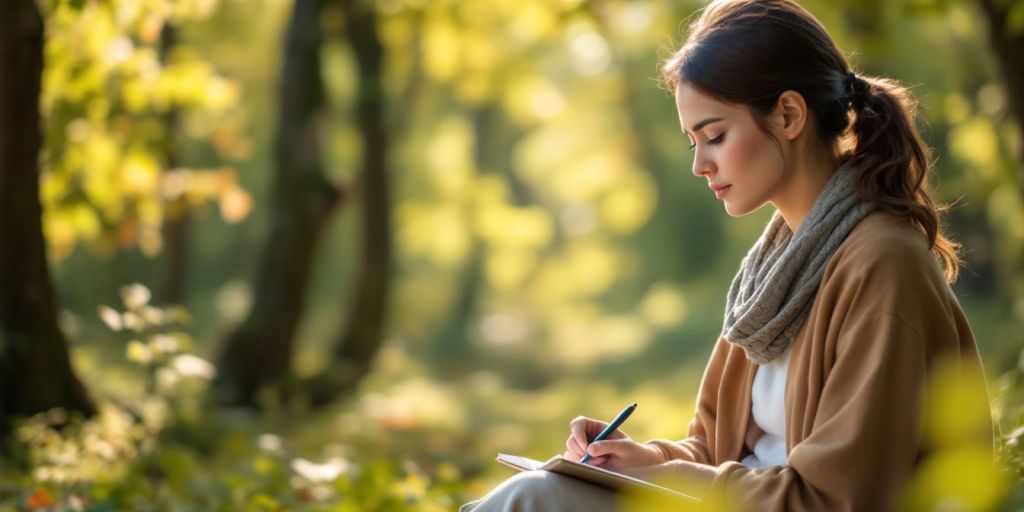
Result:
771,296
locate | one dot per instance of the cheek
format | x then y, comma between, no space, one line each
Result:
757,169
755,156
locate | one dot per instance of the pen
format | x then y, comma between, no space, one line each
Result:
611,428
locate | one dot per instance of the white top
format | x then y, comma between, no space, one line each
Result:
768,407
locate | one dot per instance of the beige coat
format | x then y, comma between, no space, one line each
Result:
882,315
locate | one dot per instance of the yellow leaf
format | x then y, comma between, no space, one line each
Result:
628,206
449,155
532,21
235,204
86,222
139,352
962,478
138,174
956,408
533,98
591,269
151,241
474,88
135,93
956,107
220,94
60,232
975,141
441,50
528,227
506,269
664,305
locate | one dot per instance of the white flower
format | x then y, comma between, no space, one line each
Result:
110,317
166,379
135,295
270,443
326,472
163,344
189,365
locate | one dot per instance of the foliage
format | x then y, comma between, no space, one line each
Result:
546,221
406,443
1008,405
111,102
141,453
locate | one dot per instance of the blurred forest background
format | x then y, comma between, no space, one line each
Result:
336,254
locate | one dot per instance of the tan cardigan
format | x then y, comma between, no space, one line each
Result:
882,314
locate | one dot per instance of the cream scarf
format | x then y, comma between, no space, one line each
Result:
770,297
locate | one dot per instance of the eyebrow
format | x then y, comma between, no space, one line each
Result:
705,122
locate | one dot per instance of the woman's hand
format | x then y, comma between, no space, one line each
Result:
616,452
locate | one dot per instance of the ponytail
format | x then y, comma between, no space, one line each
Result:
894,162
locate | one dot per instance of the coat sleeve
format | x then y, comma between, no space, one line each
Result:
694,448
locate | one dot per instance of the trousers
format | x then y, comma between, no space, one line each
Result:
542,491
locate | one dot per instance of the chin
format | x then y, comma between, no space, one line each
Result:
736,211
741,210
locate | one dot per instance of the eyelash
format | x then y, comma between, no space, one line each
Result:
711,142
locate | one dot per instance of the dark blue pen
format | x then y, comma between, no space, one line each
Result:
611,428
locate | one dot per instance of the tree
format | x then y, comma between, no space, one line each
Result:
176,224
1007,40
35,370
115,110
361,337
259,351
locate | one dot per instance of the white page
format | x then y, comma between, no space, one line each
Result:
523,462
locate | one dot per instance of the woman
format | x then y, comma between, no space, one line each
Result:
813,395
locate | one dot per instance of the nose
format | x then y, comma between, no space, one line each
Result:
702,166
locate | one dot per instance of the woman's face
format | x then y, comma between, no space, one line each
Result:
743,165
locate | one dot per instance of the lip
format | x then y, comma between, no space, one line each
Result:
720,190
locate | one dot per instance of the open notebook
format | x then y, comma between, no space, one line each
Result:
592,474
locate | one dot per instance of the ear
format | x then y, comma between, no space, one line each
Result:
791,114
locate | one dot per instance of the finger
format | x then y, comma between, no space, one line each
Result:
580,428
574,447
611,448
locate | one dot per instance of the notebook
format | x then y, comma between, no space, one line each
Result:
592,474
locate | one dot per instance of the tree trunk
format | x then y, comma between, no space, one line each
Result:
361,338
35,370
177,221
259,351
1008,48
177,228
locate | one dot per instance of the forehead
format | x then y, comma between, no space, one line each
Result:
694,106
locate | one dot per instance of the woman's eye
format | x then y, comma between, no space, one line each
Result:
693,146
717,140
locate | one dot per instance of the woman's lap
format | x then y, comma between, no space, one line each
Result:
541,491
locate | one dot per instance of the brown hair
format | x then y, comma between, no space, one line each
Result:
748,52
